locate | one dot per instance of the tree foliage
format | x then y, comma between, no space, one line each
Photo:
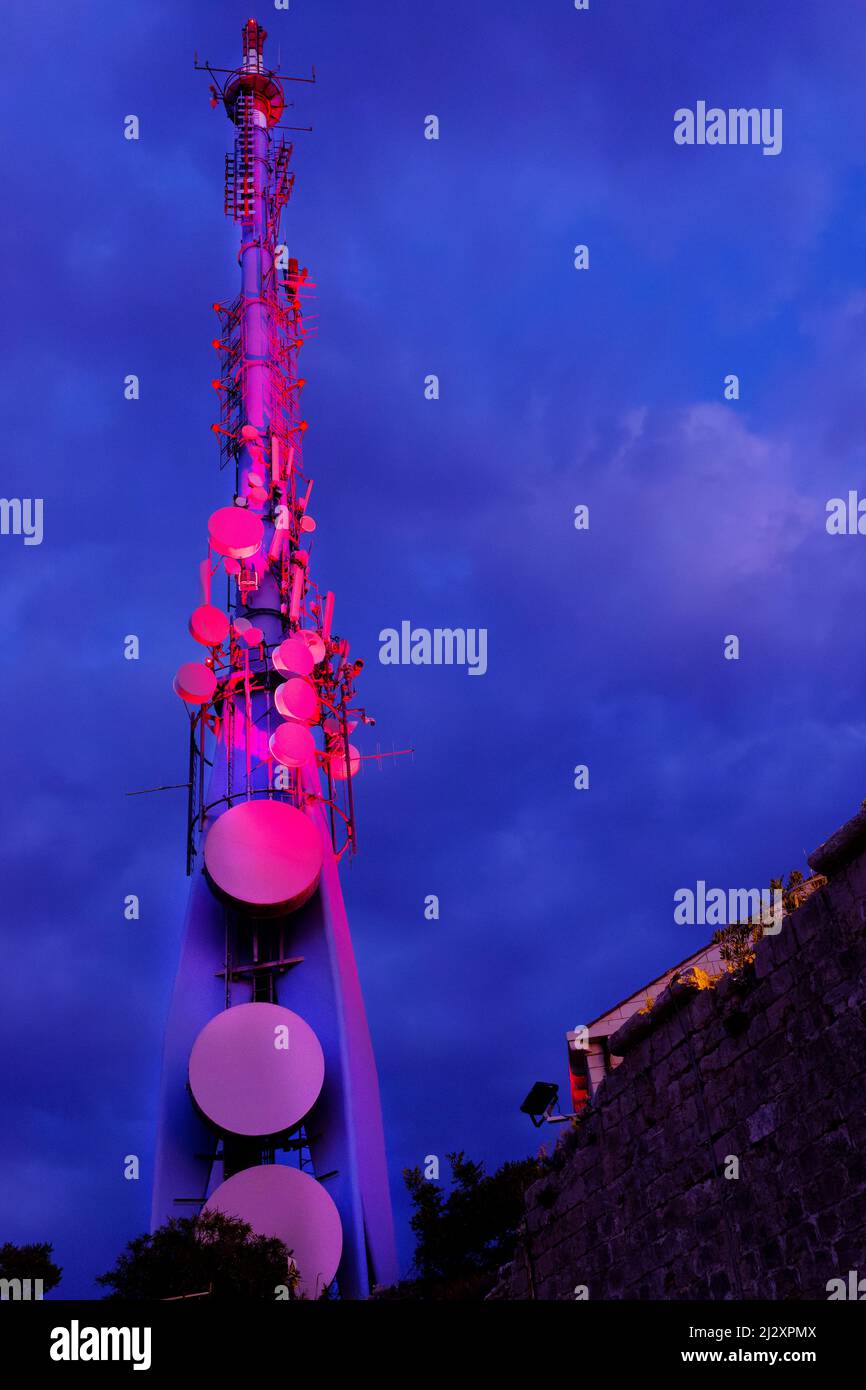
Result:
464,1235
737,941
30,1262
210,1253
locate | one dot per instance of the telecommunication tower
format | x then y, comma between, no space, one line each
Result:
270,1106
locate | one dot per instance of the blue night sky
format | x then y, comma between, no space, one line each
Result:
558,387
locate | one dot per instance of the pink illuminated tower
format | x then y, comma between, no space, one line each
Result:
270,1101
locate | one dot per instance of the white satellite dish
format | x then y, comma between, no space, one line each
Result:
276,1200
334,727
297,699
235,532
209,625
292,744
256,1069
264,857
195,683
337,763
293,658
315,644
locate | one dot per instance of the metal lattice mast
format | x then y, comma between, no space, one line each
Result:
267,964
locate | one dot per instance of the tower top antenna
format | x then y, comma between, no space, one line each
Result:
253,86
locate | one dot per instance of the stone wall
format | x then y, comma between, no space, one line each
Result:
768,1069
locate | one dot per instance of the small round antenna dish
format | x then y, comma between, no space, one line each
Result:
293,658
209,625
253,636
276,1200
292,744
235,532
337,763
241,624
195,683
264,857
315,644
334,727
249,432
297,700
256,1069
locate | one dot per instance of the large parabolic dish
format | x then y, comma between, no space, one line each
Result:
256,1069
235,532
264,856
284,1202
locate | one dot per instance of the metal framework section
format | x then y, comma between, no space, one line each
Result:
272,702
